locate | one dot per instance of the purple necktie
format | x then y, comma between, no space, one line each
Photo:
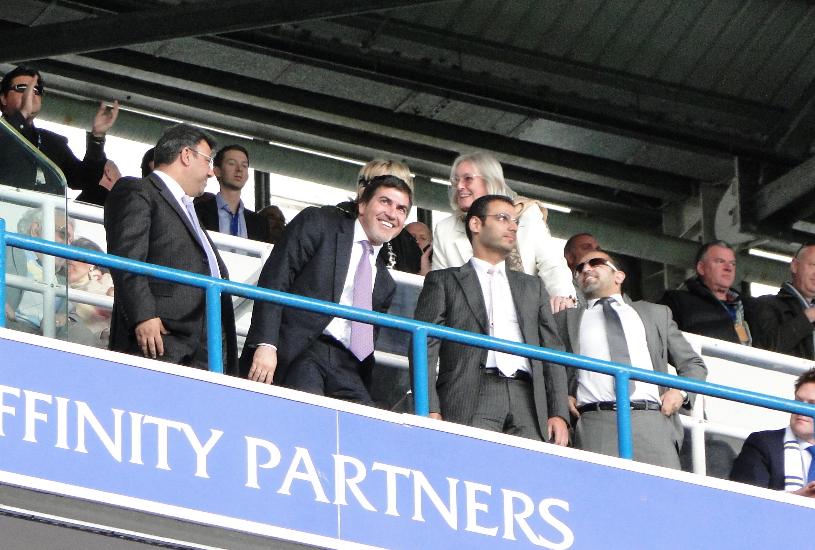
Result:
362,334
211,260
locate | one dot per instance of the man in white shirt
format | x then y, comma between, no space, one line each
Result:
782,459
153,220
326,254
487,389
642,334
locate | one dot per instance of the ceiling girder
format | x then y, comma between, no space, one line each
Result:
601,172
184,20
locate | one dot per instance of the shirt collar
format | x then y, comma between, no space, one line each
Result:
483,266
360,235
173,186
222,204
617,298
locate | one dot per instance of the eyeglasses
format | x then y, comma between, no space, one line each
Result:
466,178
21,88
210,159
594,262
504,218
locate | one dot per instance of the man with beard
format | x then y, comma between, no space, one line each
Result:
640,334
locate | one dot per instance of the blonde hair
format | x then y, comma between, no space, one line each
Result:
383,167
488,168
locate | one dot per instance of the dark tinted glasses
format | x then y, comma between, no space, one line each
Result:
21,88
594,262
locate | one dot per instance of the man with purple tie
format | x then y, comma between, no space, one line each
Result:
325,254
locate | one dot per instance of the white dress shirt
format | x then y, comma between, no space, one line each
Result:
339,328
501,314
593,387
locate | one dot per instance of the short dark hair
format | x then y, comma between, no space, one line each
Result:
700,254
175,139
570,242
219,156
388,181
146,160
805,378
19,70
801,248
478,209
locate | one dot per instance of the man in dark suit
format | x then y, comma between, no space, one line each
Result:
784,322
224,212
641,334
783,460
153,220
327,255
21,93
487,389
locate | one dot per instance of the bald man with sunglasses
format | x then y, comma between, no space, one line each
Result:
613,328
21,95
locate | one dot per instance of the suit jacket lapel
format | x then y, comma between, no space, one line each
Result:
523,312
342,256
167,196
652,337
573,318
468,280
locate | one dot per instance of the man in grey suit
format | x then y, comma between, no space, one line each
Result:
153,220
642,334
481,388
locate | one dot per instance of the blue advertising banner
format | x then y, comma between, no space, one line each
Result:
227,452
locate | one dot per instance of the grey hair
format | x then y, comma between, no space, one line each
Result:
488,168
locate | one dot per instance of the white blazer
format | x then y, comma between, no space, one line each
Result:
538,252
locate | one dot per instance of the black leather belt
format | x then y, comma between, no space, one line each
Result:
612,406
521,375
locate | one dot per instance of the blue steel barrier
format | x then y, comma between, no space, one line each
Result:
420,332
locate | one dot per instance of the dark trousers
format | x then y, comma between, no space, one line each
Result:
328,368
506,405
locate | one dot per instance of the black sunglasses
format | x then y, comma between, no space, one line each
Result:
21,88
594,262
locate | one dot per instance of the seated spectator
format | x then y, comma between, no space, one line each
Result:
97,195
90,278
275,222
785,321
707,304
224,212
401,252
475,175
25,308
782,459
424,238
147,164
21,93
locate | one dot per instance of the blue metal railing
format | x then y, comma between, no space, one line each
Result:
420,332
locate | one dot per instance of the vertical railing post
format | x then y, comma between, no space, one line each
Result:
48,324
421,398
215,357
623,415
3,270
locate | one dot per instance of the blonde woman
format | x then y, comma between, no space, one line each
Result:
477,174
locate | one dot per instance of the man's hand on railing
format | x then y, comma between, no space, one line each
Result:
671,401
148,336
557,431
264,363
10,313
435,416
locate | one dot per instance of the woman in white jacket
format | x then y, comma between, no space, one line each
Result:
477,174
